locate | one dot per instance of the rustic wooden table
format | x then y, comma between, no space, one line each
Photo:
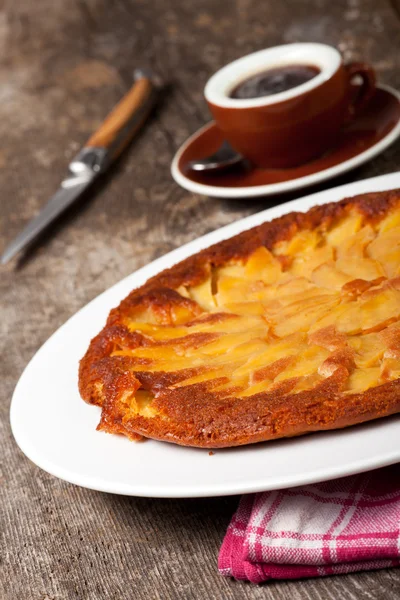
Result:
62,67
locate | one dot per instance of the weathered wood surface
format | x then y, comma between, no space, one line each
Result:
63,65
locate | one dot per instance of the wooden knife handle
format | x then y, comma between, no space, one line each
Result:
126,118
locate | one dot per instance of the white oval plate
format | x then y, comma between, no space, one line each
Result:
283,186
57,430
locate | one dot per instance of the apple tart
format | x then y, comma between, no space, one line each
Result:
287,328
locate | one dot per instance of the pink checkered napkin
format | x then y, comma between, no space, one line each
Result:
340,526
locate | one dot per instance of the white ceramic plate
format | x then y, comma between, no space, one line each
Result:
56,429
284,186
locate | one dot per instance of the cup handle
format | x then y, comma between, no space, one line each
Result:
366,89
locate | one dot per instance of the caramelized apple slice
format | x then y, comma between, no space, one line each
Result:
302,242
360,268
293,285
390,221
390,369
368,349
307,363
245,308
305,263
354,245
363,379
329,276
346,227
202,294
371,313
386,249
274,351
303,314
262,265
232,289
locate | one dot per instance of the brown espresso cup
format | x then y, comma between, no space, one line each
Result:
292,127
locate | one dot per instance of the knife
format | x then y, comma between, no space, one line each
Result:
102,148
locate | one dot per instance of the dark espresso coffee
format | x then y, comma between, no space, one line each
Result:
274,81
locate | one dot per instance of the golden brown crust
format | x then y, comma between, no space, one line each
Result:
213,413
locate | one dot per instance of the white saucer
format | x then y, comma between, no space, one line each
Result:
369,134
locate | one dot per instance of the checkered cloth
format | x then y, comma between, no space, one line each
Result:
341,526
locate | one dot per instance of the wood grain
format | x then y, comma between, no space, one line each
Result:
62,66
125,112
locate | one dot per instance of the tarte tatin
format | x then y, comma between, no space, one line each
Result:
288,328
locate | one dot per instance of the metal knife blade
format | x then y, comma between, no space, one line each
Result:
63,198
99,152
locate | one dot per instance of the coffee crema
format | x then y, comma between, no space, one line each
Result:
274,81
